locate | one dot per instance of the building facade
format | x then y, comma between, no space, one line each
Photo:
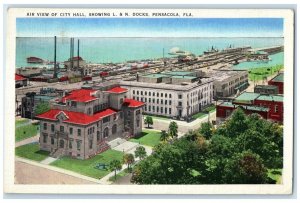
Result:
178,95
20,81
278,81
81,123
269,107
227,83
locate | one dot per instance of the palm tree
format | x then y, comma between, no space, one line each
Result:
164,136
140,152
173,129
128,159
115,165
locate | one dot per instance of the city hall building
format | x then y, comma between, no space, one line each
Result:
175,94
83,121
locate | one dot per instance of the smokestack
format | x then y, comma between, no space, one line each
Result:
78,54
55,71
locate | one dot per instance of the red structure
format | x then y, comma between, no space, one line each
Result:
278,81
268,106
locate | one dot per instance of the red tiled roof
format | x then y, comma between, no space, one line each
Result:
19,77
76,117
76,58
133,103
81,95
117,90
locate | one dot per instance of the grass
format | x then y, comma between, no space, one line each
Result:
31,151
87,167
21,121
26,131
201,114
262,72
275,174
148,138
158,117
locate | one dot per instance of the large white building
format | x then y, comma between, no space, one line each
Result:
176,94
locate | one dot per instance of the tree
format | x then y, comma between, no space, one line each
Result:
237,124
173,129
128,159
164,136
42,107
206,130
140,152
245,168
149,121
115,165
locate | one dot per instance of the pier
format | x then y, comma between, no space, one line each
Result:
270,50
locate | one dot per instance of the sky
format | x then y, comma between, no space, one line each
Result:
149,27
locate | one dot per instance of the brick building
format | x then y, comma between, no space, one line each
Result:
82,122
278,81
268,106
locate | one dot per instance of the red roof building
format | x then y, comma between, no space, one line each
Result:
278,81
19,77
133,103
75,117
81,95
117,90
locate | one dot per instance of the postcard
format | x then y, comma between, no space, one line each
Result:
149,101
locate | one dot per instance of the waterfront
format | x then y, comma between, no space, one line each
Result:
119,50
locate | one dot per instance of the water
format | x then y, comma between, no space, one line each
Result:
276,59
118,50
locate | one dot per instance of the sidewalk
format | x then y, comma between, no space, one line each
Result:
28,140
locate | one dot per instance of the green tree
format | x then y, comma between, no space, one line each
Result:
206,130
149,121
173,129
128,159
237,124
245,168
140,152
115,165
42,107
164,136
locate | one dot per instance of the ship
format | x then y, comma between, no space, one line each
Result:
211,51
33,59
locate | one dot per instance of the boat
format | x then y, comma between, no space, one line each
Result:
33,59
211,51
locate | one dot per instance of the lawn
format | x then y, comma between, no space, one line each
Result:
31,151
148,137
256,74
201,114
275,174
158,117
26,131
87,167
21,121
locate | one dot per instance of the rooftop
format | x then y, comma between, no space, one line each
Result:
75,117
246,97
178,73
252,108
270,87
219,75
133,103
184,76
278,78
19,77
155,75
277,98
117,90
80,95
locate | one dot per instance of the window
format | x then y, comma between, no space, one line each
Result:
61,128
170,111
137,98
121,101
91,144
138,122
45,126
52,140
179,96
161,110
138,112
166,110
157,94
153,108
52,128
79,132
157,109
71,131
93,129
133,91
137,92
142,93
157,101
73,104
105,132
170,96
45,138
70,144
149,100
114,129
78,145
146,93
98,135
89,111
166,102
170,102
276,109
106,119
153,100
179,103
161,94
166,95
153,94
133,97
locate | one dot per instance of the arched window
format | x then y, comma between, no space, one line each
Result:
114,129
105,132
